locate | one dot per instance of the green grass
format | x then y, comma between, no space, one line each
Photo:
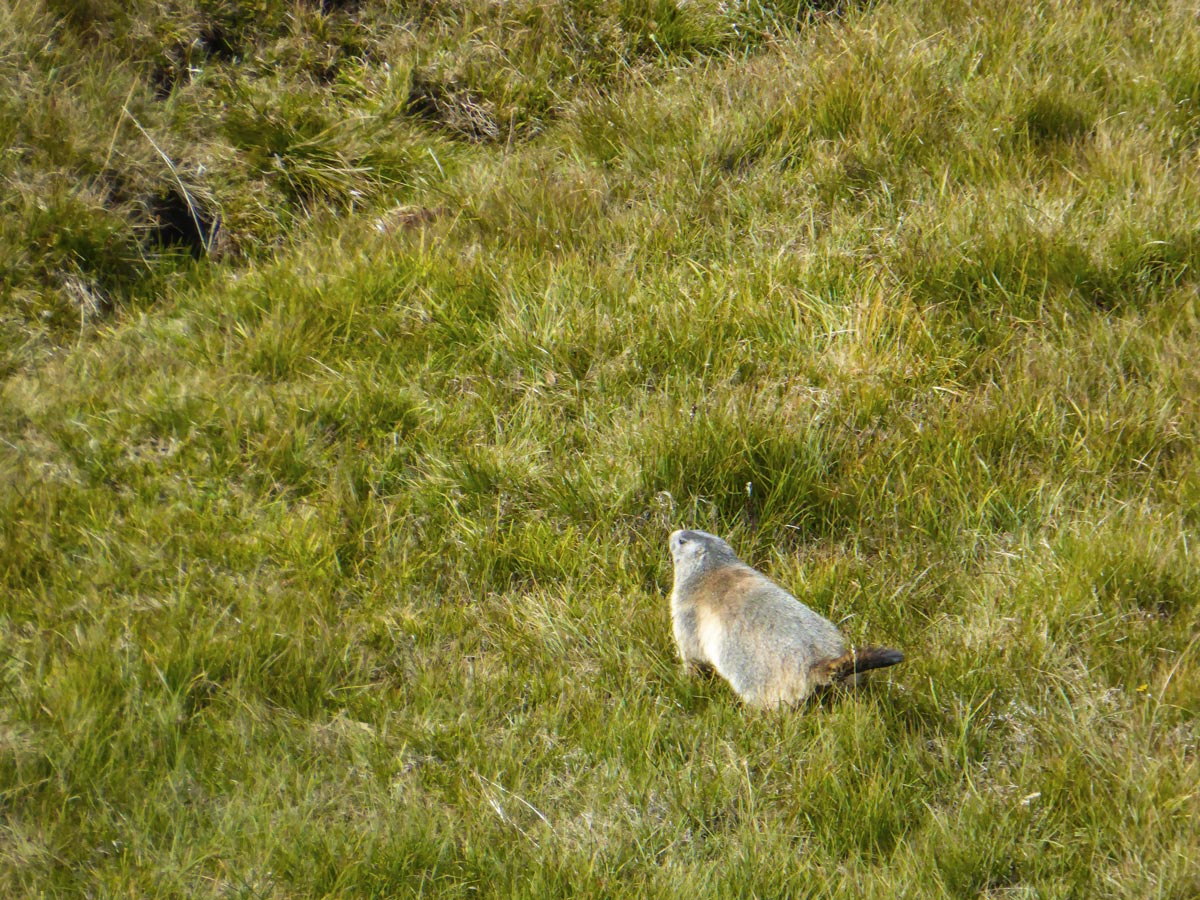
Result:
333,549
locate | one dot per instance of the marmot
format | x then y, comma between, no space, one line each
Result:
768,645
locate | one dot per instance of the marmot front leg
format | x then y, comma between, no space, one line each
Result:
687,641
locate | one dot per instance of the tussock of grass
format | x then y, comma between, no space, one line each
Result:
333,555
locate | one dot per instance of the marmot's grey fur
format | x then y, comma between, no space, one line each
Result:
768,645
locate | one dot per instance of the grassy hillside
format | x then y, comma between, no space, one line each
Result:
333,525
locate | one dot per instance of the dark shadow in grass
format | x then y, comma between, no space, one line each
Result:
792,473
172,70
697,690
1053,117
454,109
826,698
178,220
216,41
213,43
797,13
739,159
1013,270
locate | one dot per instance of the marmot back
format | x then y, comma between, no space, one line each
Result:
770,647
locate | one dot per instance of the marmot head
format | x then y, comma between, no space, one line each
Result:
694,552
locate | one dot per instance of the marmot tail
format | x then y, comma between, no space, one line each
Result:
851,663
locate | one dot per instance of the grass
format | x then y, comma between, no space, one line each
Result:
333,548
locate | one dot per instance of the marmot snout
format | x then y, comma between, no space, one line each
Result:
768,645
